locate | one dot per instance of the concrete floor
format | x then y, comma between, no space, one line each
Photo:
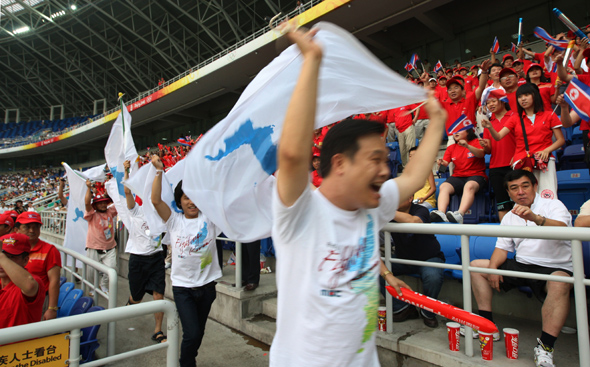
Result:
221,346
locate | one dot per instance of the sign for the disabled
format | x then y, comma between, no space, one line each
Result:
51,351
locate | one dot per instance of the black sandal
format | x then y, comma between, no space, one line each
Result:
159,337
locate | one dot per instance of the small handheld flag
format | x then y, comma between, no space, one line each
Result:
513,48
414,59
577,95
559,45
409,67
438,66
461,124
495,45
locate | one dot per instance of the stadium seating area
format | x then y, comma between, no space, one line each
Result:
27,132
72,302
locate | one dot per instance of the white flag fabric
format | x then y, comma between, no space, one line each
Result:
76,225
140,184
120,147
227,172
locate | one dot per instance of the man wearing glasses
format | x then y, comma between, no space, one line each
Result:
509,81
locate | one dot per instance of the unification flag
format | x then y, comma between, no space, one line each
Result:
438,66
559,45
495,45
119,148
513,48
577,95
228,173
76,225
462,123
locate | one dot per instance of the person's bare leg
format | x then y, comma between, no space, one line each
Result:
556,306
481,287
469,191
444,196
159,316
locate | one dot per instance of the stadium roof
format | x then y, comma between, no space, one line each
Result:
73,52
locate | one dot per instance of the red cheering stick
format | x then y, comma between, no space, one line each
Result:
445,310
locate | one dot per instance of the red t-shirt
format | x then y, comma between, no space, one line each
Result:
521,81
539,134
17,309
465,106
422,115
466,164
540,57
403,120
501,151
441,93
42,258
317,140
316,179
546,90
471,83
512,101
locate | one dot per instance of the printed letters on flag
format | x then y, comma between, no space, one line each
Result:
227,173
495,45
559,45
577,95
462,123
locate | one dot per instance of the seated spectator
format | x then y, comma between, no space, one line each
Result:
44,260
425,196
533,256
541,127
468,176
18,207
6,224
21,293
421,247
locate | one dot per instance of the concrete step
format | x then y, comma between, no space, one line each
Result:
260,327
269,307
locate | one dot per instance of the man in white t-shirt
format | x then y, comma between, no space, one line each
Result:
532,255
146,259
326,241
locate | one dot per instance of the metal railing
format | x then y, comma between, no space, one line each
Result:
54,222
576,235
238,260
74,324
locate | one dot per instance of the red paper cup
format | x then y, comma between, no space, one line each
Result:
453,333
382,318
486,343
511,341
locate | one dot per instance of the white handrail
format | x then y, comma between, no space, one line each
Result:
465,230
75,323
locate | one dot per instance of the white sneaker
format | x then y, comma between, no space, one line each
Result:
438,216
455,217
476,334
543,355
167,265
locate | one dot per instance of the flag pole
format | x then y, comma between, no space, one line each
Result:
519,30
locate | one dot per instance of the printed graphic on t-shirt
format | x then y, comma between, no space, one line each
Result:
189,245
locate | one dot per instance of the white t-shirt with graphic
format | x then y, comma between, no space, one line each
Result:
328,262
141,241
194,253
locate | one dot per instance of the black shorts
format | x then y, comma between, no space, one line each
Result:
146,275
503,201
538,286
459,182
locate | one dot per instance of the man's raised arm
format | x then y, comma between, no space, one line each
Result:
294,152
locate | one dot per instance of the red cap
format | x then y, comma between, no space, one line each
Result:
507,56
6,219
532,65
15,243
462,68
457,79
99,198
13,214
316,155
517,60
29,217
507,70
442,77
474,67
450,71
497,93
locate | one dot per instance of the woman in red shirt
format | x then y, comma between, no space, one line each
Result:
534,74
468,176
541,126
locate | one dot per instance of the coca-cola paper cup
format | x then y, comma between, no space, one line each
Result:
453,333
511,341
382,318
486,343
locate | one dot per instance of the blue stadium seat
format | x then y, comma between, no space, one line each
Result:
573,188
586,253
69,301
449,245
64,289
577,136
81,305
62,280
89,341
573,157
475,214
438,182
